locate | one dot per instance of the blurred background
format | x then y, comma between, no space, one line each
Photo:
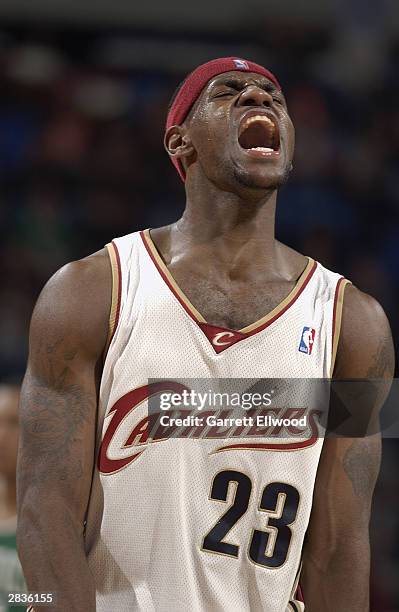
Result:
84,91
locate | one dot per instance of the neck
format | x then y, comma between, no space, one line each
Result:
228,224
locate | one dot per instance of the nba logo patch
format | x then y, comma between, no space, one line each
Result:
307,340
241,64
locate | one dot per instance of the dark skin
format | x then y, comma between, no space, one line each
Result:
337,542
224,256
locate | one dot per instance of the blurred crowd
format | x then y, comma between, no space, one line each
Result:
82,161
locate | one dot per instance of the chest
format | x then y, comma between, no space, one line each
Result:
232,303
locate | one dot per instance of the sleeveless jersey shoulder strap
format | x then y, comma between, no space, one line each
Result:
337,317
120,254
331,289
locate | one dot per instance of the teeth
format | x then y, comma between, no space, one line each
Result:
254,118
263,149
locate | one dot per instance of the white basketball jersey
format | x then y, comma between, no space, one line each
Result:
213,522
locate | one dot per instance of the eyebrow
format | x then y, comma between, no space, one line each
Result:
237,83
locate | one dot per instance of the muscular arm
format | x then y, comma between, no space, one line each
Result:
58,420
336,558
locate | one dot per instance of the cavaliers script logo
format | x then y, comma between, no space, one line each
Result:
131,428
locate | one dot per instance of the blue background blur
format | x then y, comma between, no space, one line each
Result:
82,108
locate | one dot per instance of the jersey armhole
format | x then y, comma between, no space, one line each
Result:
337,318
114,258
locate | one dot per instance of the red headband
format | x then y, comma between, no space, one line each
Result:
196,81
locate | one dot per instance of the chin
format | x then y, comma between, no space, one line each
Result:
254,181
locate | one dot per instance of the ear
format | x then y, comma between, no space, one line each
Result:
177,142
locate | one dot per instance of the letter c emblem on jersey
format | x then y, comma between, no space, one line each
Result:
120,411
217,339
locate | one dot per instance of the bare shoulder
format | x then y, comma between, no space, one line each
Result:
365,348
75,303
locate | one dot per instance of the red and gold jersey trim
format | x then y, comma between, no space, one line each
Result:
249,330
286,303
168,278
294,606
116,292
337,318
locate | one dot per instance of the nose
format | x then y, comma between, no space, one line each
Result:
255,96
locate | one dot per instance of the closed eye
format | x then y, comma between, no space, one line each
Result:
229,88
223,94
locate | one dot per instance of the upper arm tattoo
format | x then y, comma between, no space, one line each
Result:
55,410
382,362
361,463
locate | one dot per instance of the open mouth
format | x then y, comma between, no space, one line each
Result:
259,133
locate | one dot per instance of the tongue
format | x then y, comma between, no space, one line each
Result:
256,135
